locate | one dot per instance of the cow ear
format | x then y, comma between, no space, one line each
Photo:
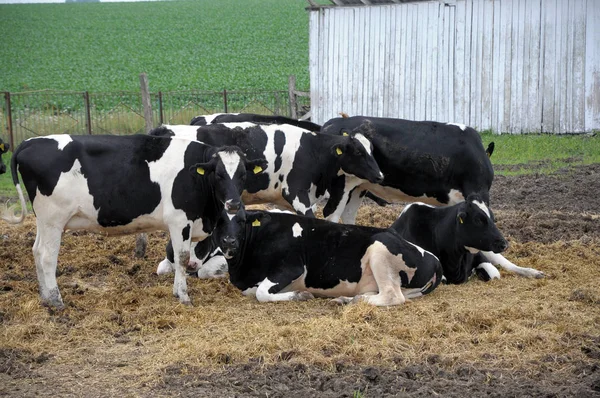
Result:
204,169
4,147
490,149
460,218
256,166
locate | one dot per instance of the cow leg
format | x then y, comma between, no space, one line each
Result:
344,202
500,260
300,203
269,289
351,209
45,253
386,274
485,270
181,256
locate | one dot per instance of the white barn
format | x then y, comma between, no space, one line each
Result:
511,66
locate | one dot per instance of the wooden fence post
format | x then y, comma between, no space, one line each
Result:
292,95
88,117
146,102
9,120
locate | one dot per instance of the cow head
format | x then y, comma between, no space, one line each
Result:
475,227
4,147
231,231
355,156
228,166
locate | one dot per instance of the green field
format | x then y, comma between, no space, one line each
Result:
201,44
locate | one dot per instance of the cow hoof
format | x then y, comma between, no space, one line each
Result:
186,301
303,296
339,301
538,274
53,305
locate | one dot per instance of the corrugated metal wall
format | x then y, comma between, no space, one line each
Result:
508,65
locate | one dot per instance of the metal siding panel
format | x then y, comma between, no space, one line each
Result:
420,40
517,67
430,55
468,61
359,67
533,108
548,62
476,58
313,60
404,70
497,80
459,58
397,48
487,64
592,67
506,12
579,47
449,46
336,35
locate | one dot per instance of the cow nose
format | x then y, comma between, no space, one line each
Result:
379,178
500,245
228,241
232,205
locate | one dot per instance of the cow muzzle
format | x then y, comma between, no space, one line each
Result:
229,246
232,206
500,245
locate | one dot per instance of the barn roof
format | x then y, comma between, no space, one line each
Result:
335,3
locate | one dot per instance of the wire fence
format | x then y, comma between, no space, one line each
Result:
32,114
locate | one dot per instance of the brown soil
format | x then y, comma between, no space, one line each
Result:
123,334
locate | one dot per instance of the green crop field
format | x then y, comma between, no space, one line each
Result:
200,44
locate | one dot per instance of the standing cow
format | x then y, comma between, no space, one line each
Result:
430,162
280,257
124,185
215,118
4,147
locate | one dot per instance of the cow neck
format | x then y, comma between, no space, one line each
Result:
236,262
451,253
323,160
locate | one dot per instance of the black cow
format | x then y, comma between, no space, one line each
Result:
463,236
279,257
123,185
215,118
4,147
431,162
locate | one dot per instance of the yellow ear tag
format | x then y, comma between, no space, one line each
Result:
256,223
257,169
345,134
200,171
460,219
2,147
338,151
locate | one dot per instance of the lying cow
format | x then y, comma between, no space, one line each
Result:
215,118
123,185
282,257
431,162
4,147
304,168
464,237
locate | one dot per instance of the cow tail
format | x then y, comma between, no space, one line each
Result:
9,213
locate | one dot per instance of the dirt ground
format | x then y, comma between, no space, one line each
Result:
123,334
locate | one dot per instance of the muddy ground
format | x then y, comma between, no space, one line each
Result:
123,334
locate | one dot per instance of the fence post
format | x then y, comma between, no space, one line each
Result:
160,107
146,102
9,120
225,100
88,116
292,95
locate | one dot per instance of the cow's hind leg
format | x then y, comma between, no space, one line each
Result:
381,262
45,253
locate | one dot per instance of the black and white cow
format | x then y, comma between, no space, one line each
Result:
431,162
305,168
122,185
4,147
280,257
463,236
215,118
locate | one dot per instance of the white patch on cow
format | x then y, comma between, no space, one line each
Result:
365,142
421,250
455,196
395,195
459,125
243,125
415,204
263,295
215,267
165,267
230,216
231,161
489,269
209,118
183,131
299,206
483,207
297,230
499,259
251,291
280,211
472,250
62,139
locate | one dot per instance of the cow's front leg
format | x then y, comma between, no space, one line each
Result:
181,240
484,269
351,209
500,260
300,203
270,288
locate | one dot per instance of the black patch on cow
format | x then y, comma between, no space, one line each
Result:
336,191
281,177
276,185
279,141
186,233
198,121
161,131
255,118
